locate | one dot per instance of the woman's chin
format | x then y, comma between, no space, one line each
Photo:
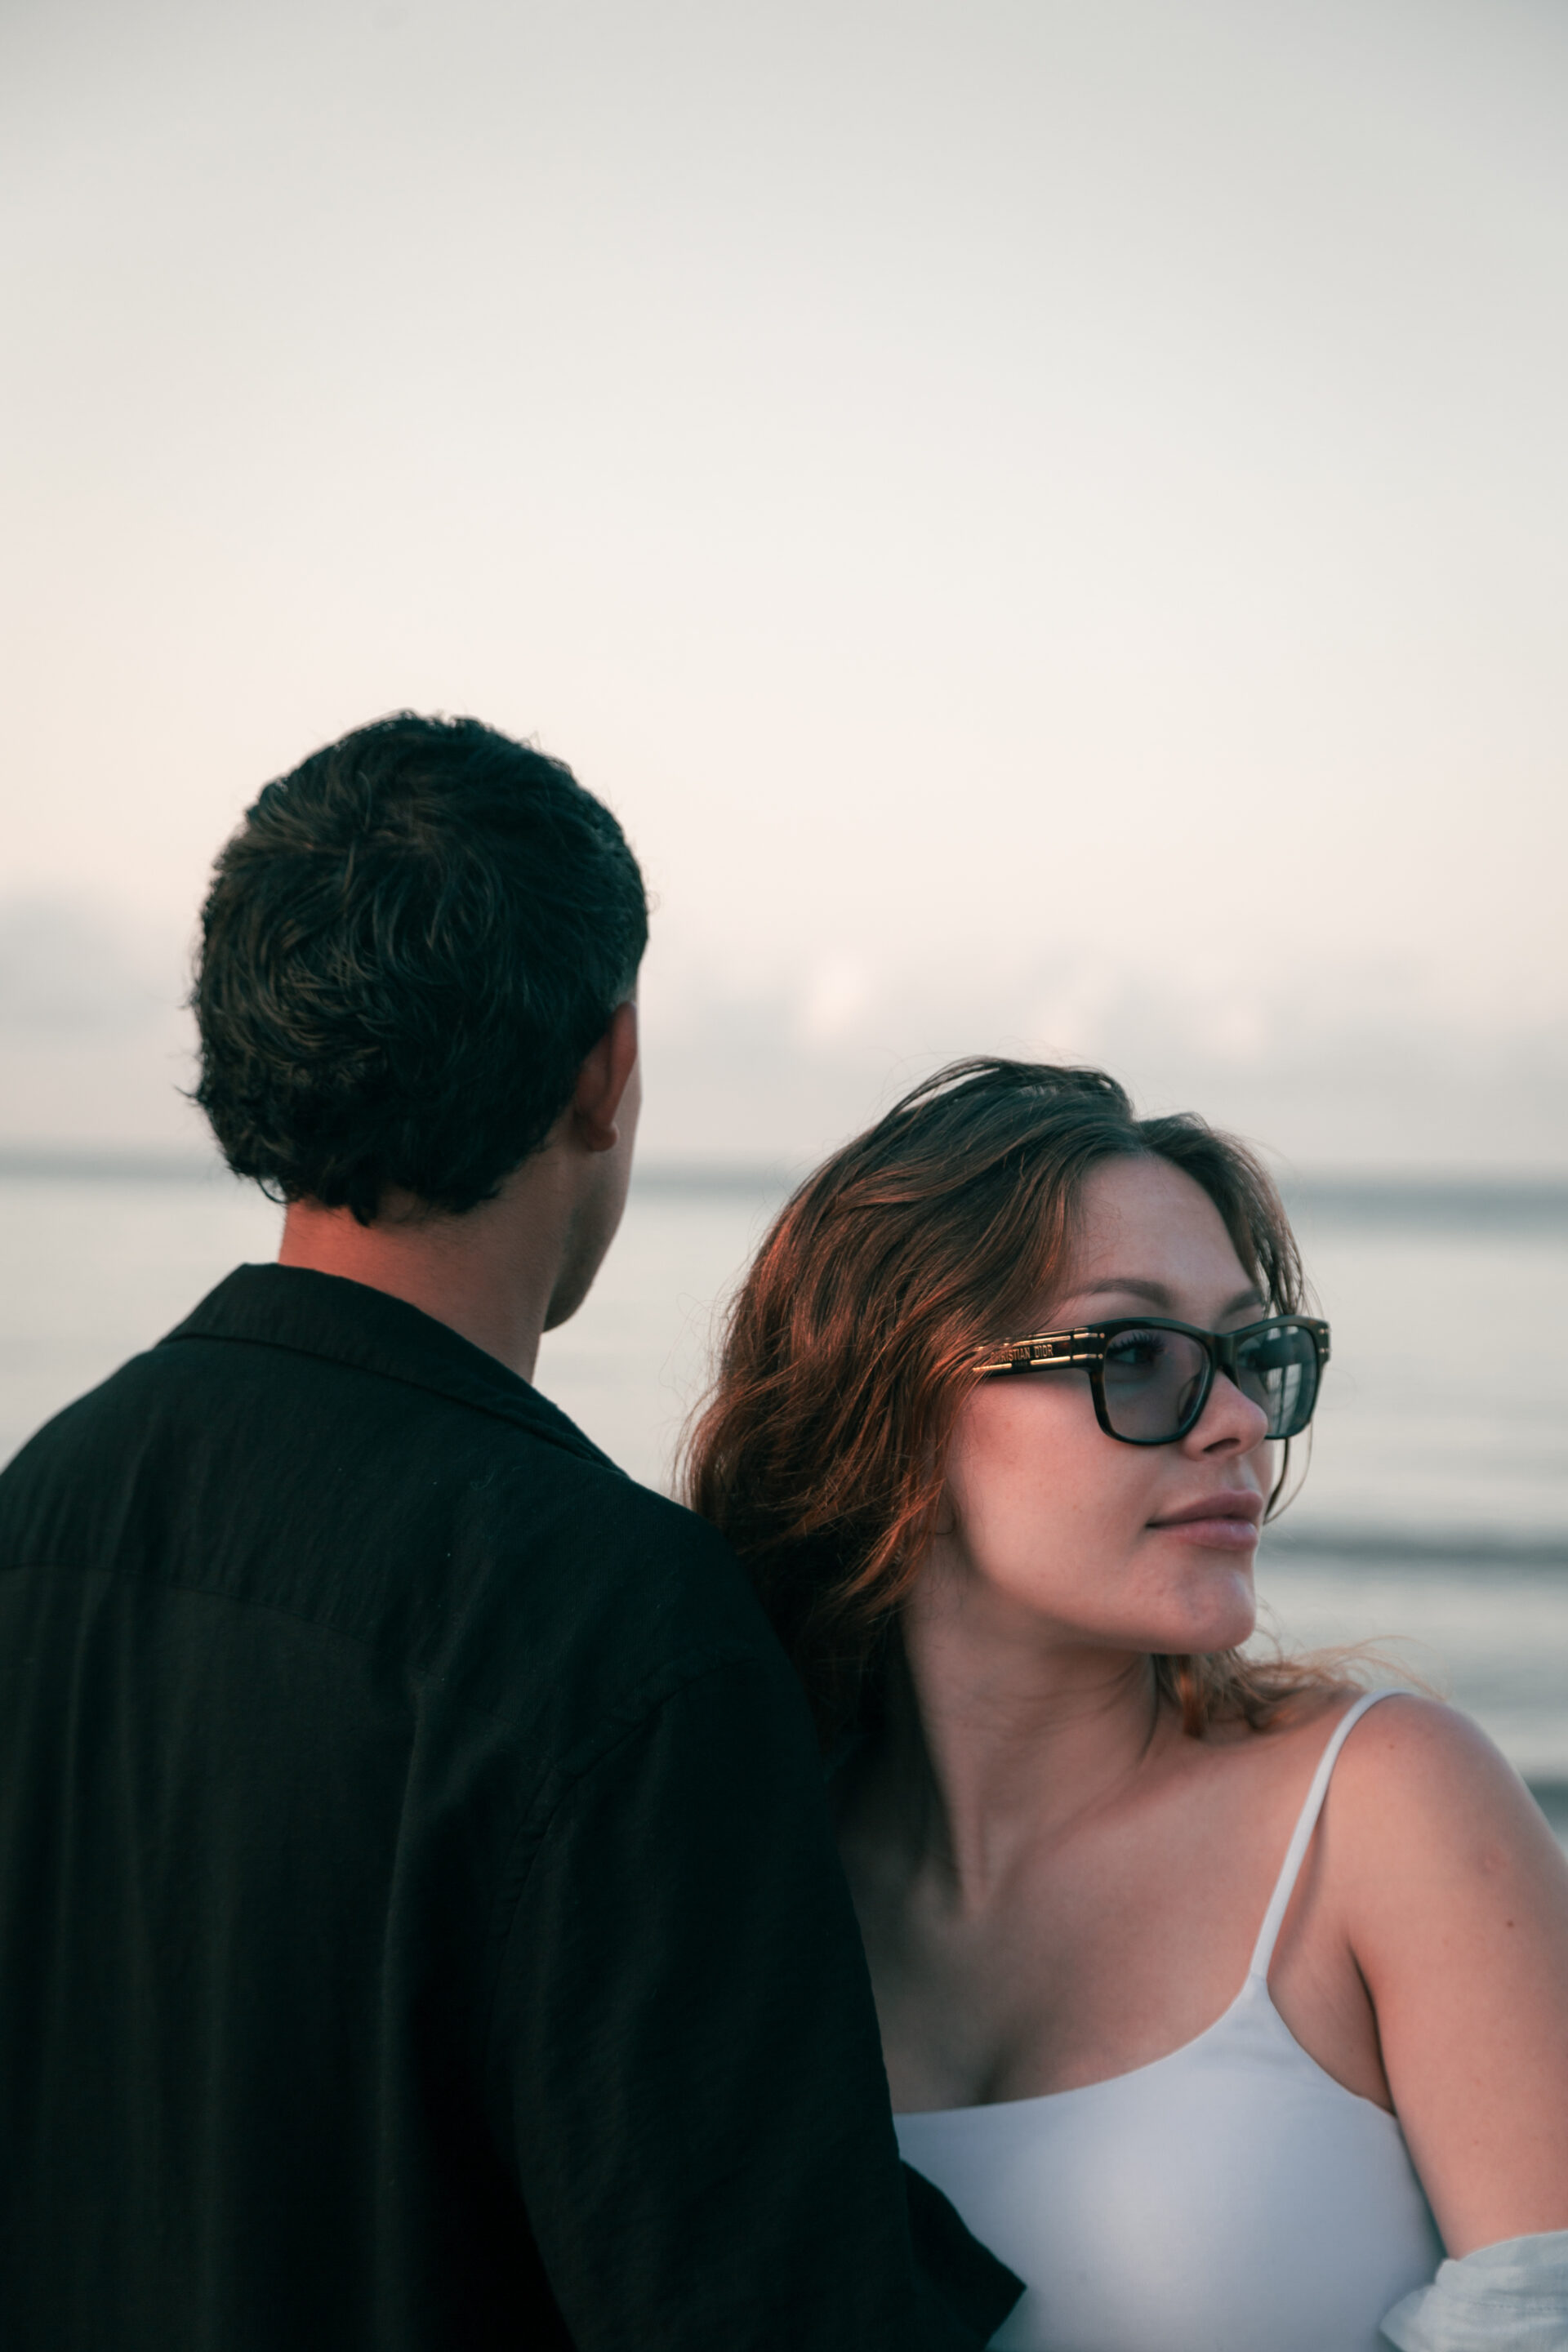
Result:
1222,1616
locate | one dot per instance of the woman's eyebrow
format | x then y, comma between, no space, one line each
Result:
1160,1295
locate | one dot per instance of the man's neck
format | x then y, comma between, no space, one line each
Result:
508,1271
490,1274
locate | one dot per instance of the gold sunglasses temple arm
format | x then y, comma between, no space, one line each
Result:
1044,1354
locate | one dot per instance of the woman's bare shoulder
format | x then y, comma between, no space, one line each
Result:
1454,1898
1431,1761
1415,1774
1427,1815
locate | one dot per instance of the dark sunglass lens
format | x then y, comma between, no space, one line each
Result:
1153,1381
1279,1370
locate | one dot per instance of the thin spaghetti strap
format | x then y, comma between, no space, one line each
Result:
1295,1852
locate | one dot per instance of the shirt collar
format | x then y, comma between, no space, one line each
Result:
325,1314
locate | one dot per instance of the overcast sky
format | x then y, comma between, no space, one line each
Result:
1049,522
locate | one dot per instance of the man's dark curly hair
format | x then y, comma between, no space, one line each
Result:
408,948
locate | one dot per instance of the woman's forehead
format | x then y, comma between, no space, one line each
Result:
1144,1221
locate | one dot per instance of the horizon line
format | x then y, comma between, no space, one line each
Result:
1328,1185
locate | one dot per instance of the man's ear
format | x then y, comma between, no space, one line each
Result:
602,1080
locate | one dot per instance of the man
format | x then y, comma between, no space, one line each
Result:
418,1921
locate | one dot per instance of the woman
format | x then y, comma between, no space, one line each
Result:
1221,1997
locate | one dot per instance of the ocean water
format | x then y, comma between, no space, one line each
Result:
1434,1514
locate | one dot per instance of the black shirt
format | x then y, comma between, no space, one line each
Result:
419,1925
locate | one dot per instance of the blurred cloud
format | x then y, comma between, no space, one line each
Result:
67,969
1361,1078
95,1043
748,1066
838,994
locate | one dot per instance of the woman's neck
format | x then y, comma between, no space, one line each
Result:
999,1740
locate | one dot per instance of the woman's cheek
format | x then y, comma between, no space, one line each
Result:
1044,1504
1027,1524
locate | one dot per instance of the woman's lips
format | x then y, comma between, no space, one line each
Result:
1229,1522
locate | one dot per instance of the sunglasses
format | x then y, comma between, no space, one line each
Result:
1151,1379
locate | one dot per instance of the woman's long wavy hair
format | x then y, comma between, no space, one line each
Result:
821,1453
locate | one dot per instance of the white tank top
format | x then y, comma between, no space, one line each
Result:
1230,2197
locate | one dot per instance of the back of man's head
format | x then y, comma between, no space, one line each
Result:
409,946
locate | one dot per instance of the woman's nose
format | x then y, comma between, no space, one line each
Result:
1229,1422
